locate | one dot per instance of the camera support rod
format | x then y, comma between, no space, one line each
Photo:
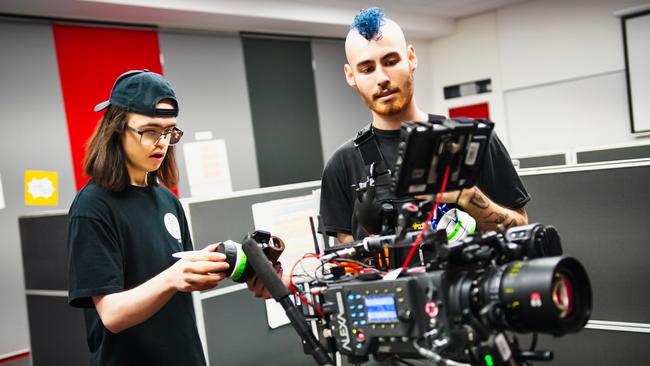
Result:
280,293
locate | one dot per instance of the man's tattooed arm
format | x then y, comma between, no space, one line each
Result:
488,214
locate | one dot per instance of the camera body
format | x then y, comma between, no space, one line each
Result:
461,303
379,317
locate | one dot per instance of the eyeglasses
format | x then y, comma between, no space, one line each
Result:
150,137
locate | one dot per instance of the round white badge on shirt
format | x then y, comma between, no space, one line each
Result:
172,225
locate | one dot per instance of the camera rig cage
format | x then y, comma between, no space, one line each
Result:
413,295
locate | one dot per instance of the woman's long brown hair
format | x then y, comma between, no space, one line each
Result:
105,160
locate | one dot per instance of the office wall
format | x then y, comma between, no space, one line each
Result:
559,40
423,75
34,136
341,112
469,54
579,112
577,88
557,70
207,71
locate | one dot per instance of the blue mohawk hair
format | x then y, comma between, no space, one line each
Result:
368,21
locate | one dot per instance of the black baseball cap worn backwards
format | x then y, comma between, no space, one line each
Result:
139,91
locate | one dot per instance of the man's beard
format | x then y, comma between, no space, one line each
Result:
401,99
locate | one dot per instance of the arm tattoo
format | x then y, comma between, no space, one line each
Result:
499,219
479,200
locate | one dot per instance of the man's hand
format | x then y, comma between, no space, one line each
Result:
256,286
198,271
344,238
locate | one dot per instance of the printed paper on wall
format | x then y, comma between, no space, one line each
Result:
287,219
207,166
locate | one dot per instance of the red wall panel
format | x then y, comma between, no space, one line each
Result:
90,59
473,111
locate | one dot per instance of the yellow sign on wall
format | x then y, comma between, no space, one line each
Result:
41,188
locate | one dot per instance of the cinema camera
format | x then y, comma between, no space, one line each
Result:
411,294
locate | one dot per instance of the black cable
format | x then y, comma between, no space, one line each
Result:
401,360
533,345
313,234
533,342
345,278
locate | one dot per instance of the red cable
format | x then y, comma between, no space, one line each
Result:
418,240
293,288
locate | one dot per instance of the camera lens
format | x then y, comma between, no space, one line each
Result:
547,295
562,295
550,295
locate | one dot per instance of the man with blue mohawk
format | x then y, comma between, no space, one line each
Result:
380,68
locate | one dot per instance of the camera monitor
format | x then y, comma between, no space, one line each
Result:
426,149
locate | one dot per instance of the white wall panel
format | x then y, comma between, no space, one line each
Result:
552,40
470,54
424,76
341,112
207,71
562,116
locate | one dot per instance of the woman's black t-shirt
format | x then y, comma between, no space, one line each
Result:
117,241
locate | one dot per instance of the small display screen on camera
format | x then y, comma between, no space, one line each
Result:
381,309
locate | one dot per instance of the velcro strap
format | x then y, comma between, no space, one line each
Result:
160,112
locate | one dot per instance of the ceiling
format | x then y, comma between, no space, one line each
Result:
421,19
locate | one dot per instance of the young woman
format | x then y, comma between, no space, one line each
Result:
123,229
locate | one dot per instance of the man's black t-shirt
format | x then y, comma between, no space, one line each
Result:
117,241
345,169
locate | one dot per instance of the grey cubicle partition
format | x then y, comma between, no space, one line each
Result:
613,153
234,328
600,210
541,161
603,218
56,331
